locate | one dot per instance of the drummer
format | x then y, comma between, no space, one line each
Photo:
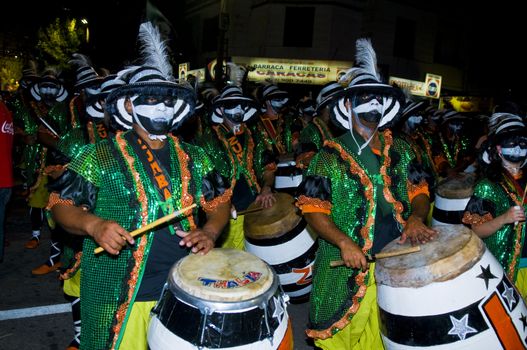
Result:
495,211
128,181
361,191
235,154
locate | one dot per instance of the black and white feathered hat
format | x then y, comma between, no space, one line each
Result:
232,94
29,74
272,92
50,77
327,94
154,78
413,108
497,118
364,78
109,83
86,76
510,125
450,115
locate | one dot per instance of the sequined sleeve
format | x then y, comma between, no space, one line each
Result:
86,163
73,189
481,207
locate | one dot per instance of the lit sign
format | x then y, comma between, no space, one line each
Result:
279,70
431,87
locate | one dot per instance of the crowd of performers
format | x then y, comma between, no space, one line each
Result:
122,150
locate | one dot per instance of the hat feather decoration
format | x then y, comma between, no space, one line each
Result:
365,62
154,50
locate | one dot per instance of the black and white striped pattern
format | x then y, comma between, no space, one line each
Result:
86,76
412,108
326,95
235,94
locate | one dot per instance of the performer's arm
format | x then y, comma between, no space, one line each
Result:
488,228
415,228
349,250
266,197
76,220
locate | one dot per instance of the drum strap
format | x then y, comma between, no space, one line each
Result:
273,134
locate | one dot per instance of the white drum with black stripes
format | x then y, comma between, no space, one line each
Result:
452,294
287,175
226,299
451,197
282,238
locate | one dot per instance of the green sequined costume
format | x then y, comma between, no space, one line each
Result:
286,130
316,132
490,200
126,194
354,190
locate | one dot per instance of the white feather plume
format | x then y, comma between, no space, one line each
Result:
365,61
154,50
236,73
80,60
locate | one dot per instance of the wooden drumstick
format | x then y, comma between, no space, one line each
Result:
248,211
153,224
372,258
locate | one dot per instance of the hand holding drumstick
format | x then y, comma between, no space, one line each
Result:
112,237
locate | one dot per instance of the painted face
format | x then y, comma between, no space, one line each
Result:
234,113
278,104
154,113
368,107
455,127
414,121
514,150
48,91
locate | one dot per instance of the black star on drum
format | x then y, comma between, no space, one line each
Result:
486,275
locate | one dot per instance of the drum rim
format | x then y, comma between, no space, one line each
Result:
210,306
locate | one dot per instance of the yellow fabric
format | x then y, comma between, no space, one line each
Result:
233,236
521,282
363,332
136,331
429,217
72,286
39,198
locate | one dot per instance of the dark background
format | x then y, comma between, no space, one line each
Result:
495,32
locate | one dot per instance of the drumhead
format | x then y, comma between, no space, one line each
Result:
455,250
272,222
222,275
459,187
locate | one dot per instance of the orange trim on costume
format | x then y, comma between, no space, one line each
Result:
415,190
376,151
475,219
213,204
313,205
502,323
69,272
54,198
397,206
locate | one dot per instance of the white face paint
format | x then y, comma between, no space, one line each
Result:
414,121
514,153
370,106
48,91
234,114
156,119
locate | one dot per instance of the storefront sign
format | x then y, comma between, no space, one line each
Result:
278,70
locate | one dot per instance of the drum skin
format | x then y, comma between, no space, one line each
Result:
453,294
451,198
282,238
225,299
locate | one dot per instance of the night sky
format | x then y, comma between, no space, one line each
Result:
496,38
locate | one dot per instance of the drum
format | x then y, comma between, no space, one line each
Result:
452,196
287,175
225,299
281,237
453,294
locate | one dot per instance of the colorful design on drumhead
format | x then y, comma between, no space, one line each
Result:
249,277
450,295
190,316
222,275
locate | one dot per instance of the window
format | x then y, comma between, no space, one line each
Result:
404,42
296,35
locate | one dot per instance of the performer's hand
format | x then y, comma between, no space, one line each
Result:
266,197
109,235
352,255
201,241
417,231
514,214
